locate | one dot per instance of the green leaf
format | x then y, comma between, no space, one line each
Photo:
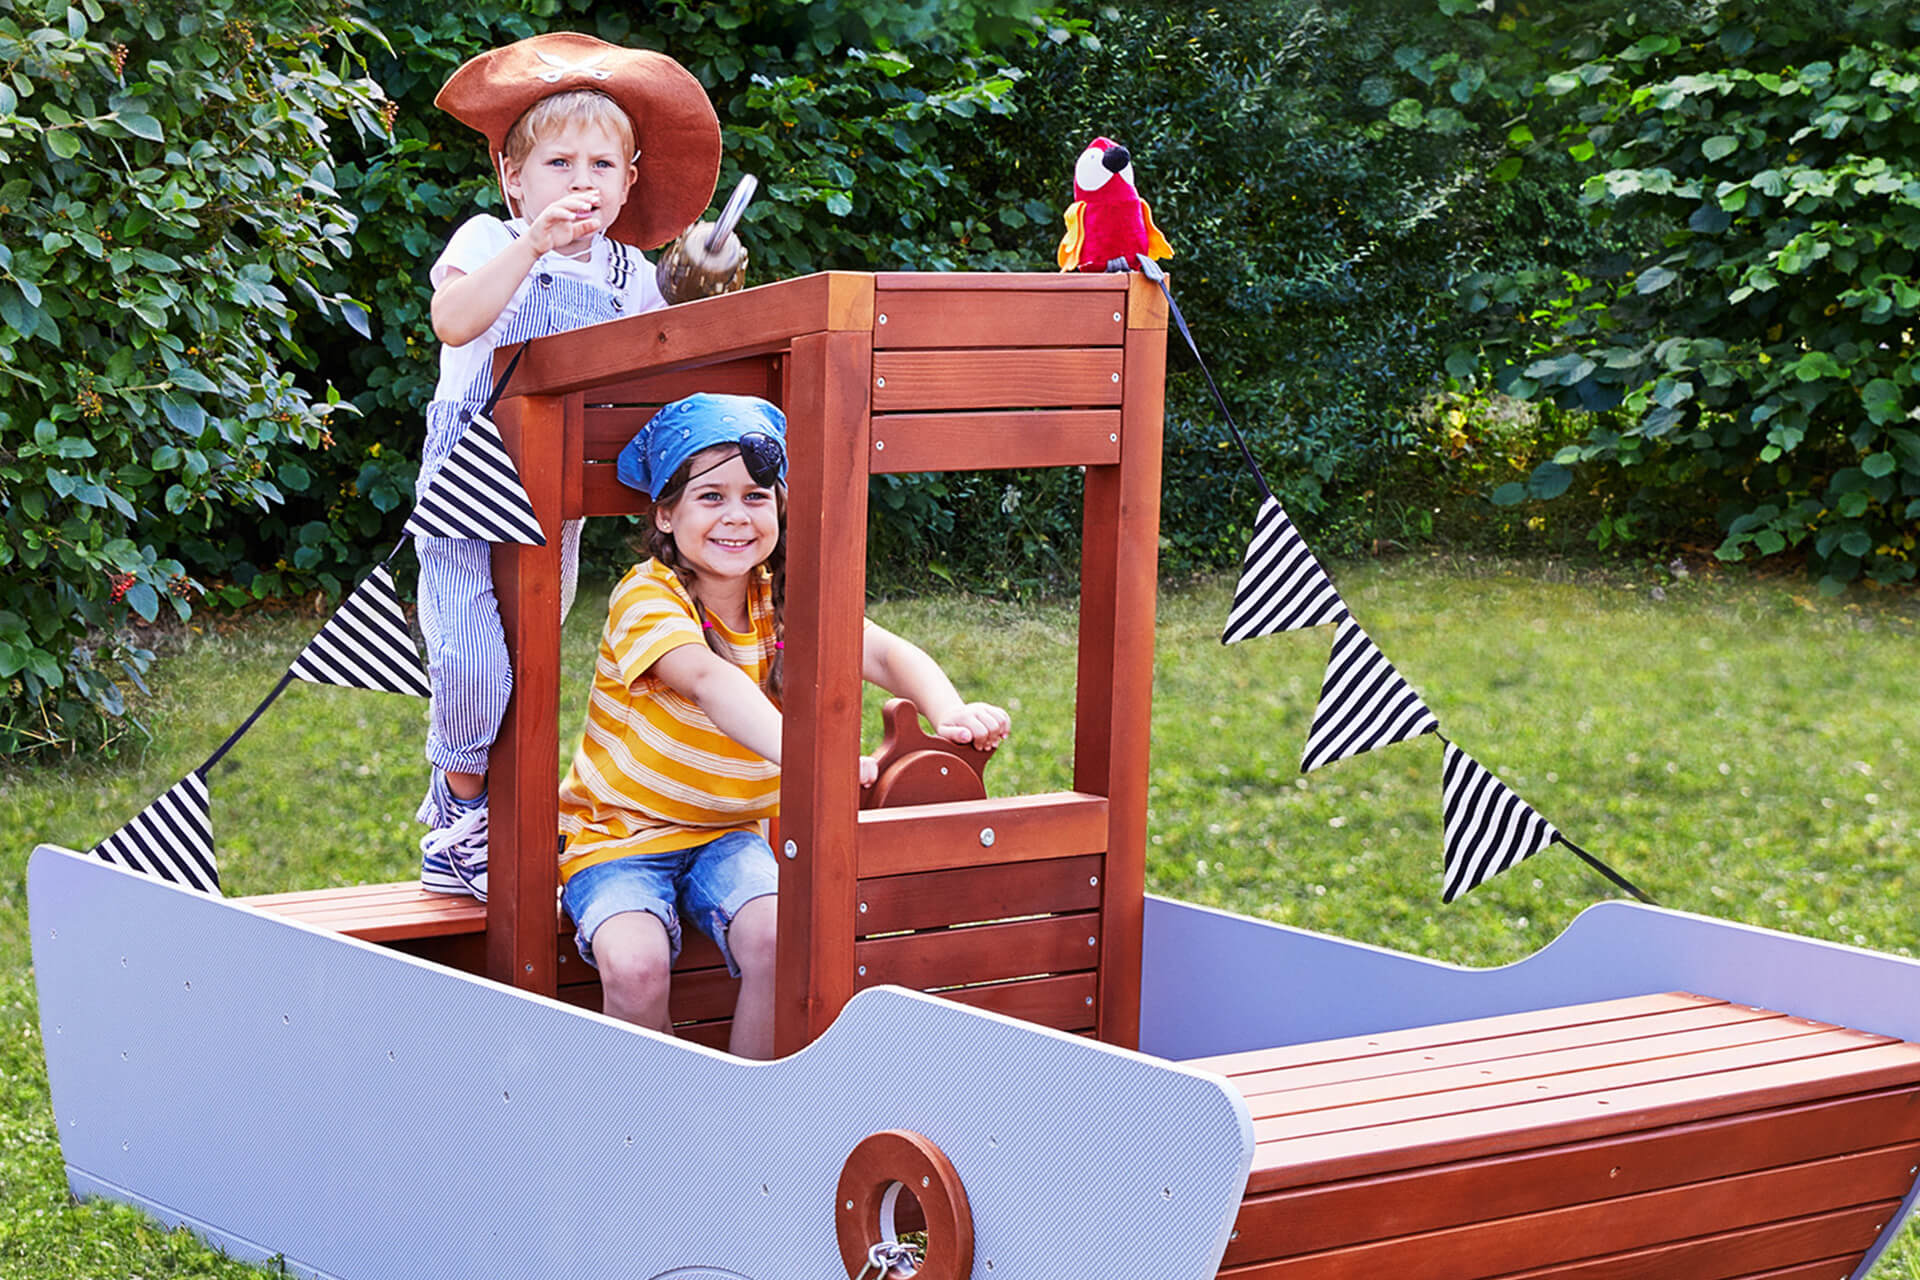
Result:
143,600
140,125
1882,400
1720,147
1654,279
1510,494
1879,464
184,413
63,144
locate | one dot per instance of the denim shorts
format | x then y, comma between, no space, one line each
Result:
710,882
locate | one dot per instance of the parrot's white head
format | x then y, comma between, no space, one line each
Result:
1099,165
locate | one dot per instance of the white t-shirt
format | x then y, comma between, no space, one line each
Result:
475,244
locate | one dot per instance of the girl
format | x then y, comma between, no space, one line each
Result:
680,762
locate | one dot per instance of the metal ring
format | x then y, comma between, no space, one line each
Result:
876,1169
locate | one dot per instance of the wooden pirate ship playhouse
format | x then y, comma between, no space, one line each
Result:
372,1082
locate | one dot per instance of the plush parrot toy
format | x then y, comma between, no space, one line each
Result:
1108,224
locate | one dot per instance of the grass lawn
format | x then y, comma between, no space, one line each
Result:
1745,750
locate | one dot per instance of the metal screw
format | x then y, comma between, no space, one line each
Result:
879,382
849,1206
528,966
1113,437
863,971
1092,942
879,445
863,908
883,317
1093,880
1116,317
986,837
925,1182
1089,1001
1116,377
791,849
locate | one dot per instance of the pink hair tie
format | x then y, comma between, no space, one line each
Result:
708,624
779,644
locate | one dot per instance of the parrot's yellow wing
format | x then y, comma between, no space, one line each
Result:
1157,246
1069,255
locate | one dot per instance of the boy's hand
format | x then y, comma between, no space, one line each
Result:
566,220
978,724
869,771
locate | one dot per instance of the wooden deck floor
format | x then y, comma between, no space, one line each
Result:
1661,1136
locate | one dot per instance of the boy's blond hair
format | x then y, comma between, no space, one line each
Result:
562,111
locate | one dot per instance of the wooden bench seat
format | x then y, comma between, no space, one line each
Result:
1661,1136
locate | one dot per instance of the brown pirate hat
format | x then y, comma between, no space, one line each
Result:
673,122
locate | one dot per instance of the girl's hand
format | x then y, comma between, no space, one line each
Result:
978,724
566,220
869,771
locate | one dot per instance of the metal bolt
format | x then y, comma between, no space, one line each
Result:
1093,880
791,849
863,971
1089,1001
528,967
1116,317
1235,1235
879,445
925,1182
849,1206
986,837
879,382
1092,942
1113,437
1116,377
863,908
883,317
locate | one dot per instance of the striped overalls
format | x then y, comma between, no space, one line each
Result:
459,616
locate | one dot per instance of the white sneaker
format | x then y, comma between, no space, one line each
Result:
462,848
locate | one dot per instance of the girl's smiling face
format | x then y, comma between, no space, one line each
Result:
584,159
723,524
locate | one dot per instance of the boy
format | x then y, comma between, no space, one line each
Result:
588,189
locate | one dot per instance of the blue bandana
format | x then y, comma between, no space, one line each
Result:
700,421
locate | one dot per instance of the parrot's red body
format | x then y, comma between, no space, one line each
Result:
1108,220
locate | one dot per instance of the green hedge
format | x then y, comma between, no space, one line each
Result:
167,205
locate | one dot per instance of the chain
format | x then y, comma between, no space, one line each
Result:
890,1257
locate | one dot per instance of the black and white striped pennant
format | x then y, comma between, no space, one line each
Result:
1364,703
477,494
1489,829
1282,587
366,644
171,839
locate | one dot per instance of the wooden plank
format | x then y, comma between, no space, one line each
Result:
1331,1215
602,494
1064,1003
761,320
1441,1034
996,378
1575,1232
1113,708
1146,305
907,442
1358,1109
1288,1158
828,411
1506,1052
933,899
1557,1072
1721,1255
523,874
970,317
969,833
1002,281
982,953
748,376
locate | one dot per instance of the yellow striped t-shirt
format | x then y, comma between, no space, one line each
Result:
653,773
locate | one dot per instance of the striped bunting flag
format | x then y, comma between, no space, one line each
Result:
172,839
1364,703
366,644
477,494
1282,587
1488,827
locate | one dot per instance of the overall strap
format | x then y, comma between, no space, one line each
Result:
619,266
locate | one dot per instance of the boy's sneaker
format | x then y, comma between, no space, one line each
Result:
453,859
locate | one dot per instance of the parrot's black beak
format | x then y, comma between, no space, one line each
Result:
1116,159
